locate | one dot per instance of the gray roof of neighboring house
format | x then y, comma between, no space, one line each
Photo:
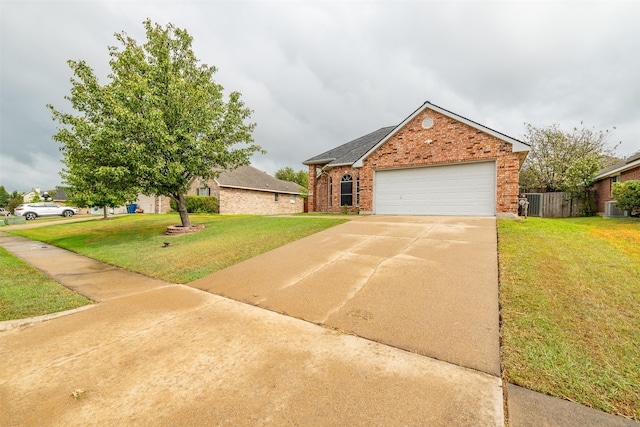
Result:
61,195
348,153
629,163
250,178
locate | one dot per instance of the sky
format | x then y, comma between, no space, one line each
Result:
318,74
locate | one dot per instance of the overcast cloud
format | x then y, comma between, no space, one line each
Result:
319,74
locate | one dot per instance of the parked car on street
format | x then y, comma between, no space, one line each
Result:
34,210
4,212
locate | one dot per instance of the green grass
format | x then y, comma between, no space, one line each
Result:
135,242
570,306
26,292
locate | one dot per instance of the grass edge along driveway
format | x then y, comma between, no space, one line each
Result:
570,306
137,243
27,292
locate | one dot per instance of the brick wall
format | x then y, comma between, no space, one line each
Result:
450,142
604,187
630,175
237,201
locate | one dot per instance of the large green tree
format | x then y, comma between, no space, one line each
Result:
161,119
554,151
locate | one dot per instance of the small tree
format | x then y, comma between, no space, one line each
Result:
162,120
578,180
15,201
553,151
627,195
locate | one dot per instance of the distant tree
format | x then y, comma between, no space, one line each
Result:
4,196
159,123
553,151
627,194
578,180
36,196
15,201
288,174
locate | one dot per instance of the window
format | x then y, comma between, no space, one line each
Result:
330,191
614,179
203,191
292,198
277,196
358,191
346,190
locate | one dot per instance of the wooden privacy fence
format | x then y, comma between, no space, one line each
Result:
553,205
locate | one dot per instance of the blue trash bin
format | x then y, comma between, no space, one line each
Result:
132,208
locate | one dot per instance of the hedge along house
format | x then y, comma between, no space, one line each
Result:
247,190
433,163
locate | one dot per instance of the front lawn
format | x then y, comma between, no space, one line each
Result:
26,292
570,306
136,242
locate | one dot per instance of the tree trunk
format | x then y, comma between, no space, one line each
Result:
182,210
104,208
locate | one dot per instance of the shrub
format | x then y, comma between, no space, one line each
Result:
198,204
627,194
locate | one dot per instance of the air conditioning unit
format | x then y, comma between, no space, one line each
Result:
612,211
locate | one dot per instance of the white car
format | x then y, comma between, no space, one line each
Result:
34,210
4,212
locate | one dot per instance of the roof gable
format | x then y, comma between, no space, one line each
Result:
517,146
250,178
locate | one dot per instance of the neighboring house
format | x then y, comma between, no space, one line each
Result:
433,163
29,196
625,170
245,190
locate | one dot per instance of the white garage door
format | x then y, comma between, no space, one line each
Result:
460,189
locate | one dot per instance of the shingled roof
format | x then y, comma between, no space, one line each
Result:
354,152
348,153
629,163
250,178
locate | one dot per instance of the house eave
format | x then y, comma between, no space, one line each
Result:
319,162
616,171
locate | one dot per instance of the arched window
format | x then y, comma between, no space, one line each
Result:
346,190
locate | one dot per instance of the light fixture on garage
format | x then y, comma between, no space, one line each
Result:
427,123
428,141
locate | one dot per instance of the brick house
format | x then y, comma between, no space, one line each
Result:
434,162
245,190
625,170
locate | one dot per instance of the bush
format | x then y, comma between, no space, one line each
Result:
627,194
198,204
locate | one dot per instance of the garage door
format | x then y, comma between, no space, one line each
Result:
461,189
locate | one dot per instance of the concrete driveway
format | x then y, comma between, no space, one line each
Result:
428,285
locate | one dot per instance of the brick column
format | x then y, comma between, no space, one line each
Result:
311,198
